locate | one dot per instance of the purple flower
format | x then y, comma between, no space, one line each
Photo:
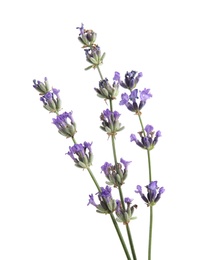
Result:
125,163
41,87
148,141
116,76
153,193
118,206
106,193
144,94
128,200
81,29
66,124
106,91
51,100
131,101
110,122
91,200
148,129
78,152
124,99
130,79
106,168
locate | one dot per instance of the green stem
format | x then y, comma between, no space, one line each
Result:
142,126
150,233
149,166
120,236
93,178
101,76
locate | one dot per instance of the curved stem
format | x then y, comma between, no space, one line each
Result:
150,233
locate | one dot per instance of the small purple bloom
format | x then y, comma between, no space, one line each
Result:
130,80
144,94
124,99
116,76
158,133
153,193
128,200
106,193
116,115
139,189
148,129
133,138
56,92
148,141
134,95
105,168
125,163
118,206
81,29
152,186
91,200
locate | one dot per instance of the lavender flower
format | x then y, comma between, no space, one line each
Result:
107,203
148,141
66,124
116,174
51,101
131,101
107,91
125,215
110,122
86,37
131,80
41,87
153,193
93,56
78,153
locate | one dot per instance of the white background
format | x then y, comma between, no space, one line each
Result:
43,197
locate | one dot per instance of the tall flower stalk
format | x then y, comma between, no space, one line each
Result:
115,173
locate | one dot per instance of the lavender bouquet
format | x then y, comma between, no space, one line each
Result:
121,210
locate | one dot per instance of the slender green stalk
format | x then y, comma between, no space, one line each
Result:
101,76
149,166
142,126
120,236
93,178
150,233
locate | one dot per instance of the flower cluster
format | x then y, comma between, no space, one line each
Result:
148,141
153,193
130,79
106,91
125,215
66,124
41,87
82,159
110,122
107,203
115,173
